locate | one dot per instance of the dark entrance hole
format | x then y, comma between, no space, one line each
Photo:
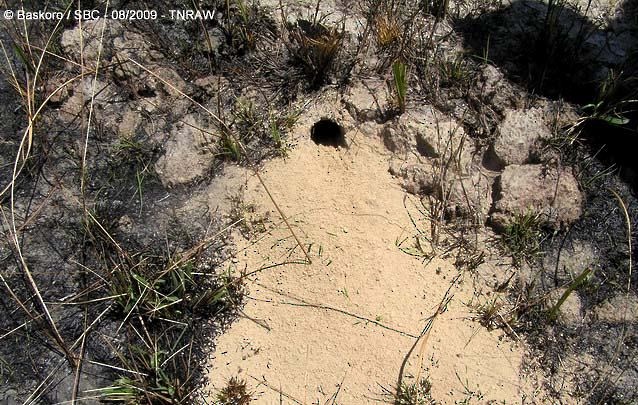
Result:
327,132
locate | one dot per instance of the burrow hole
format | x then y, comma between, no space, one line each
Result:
327,132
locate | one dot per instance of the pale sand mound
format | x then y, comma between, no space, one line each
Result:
345,205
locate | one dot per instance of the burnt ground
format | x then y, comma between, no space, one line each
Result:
575,62
132,271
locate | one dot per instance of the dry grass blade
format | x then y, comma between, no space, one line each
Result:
93,93
78,369
425,334
24,150
23,153
48,380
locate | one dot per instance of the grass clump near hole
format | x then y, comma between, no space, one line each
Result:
262,130
524,235
315,48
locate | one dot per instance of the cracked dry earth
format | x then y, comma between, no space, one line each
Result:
339,330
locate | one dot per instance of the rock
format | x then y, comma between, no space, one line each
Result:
470,196
213,85
432,135
9,397
367,100
497,90
535,188
435,157
131,45
128,123
396,139
417,178
438,136
570,259
185,158
618,309
84,44
123,49
519,135
370,129
83,92
212,41
446,141
56,91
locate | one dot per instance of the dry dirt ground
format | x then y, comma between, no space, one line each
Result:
347,327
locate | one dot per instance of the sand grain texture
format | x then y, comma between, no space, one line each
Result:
299,345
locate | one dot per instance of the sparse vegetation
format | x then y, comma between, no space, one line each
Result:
415,394
234,393
315,47
244,214
523,237
400,74
553,312
489,313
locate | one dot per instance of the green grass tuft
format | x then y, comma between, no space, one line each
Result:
400,75
524,235
415,394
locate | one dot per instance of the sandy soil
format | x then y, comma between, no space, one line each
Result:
343,326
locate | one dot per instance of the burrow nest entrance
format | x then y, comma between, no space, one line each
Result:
327,132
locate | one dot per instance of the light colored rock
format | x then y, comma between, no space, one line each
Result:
497,90
575,257
84,44
131,54
396,139
519,135
367,100
370,129
434,156
417,178
185,158
471,195
211,41
100,92
127,125
213,85
535,188
430,134
618,309
130,45
438,136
